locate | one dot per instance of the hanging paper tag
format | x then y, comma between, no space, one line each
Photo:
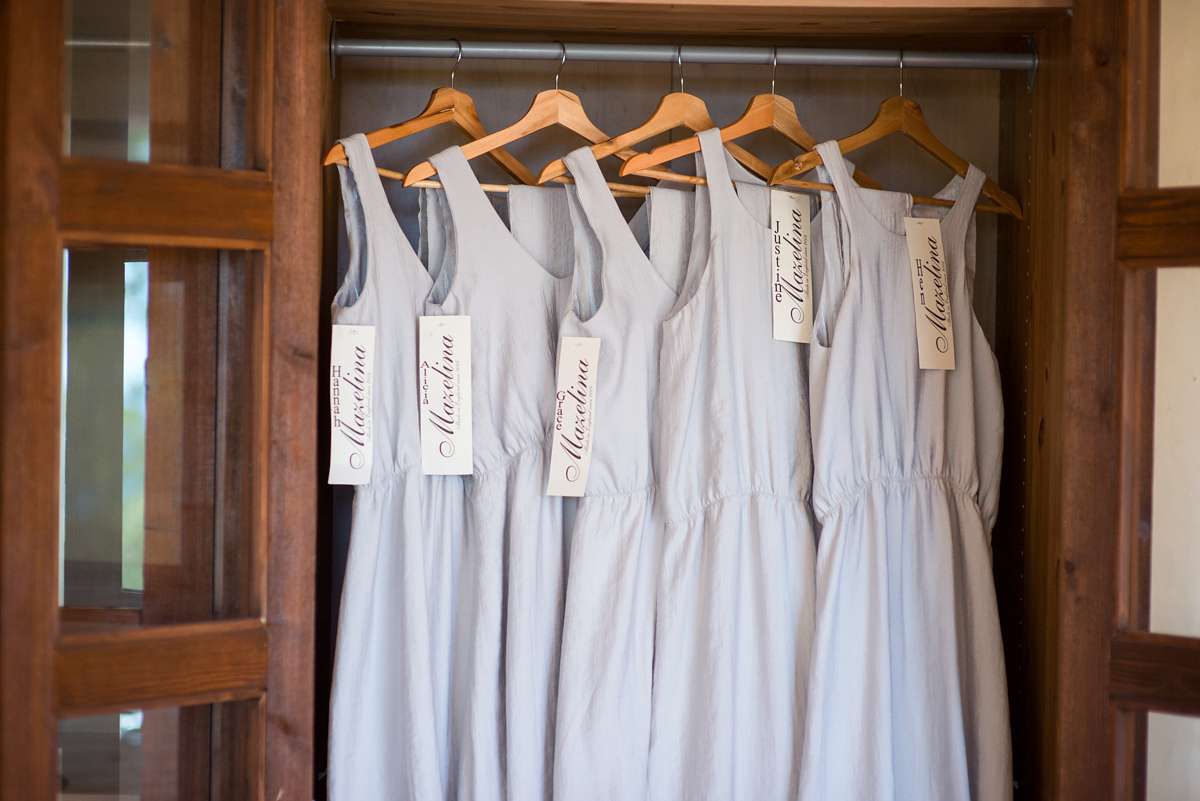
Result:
574,416
931,293
351,380
791,270
444,392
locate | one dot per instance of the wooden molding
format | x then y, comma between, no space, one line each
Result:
31,35
1132,598
293,286
923,21
1159,227
196,663
1158,672
107,202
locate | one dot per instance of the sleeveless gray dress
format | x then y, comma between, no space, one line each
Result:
908,685
735,599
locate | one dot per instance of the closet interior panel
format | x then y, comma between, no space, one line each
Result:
965,107
1016,133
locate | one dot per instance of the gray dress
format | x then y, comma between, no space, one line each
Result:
735,600
618,296
908,686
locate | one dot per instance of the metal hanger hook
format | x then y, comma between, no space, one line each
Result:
679,62
456,62
774,66
560,64
902,73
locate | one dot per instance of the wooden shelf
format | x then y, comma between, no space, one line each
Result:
920,22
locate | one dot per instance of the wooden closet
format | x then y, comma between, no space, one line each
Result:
244,93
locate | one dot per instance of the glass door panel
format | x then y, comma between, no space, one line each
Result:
158,383
182,753
1172,758
1179,94
1175,526
1175,515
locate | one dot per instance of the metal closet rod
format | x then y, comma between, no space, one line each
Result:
688,54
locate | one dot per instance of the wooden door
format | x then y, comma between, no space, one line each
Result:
1102,228
1154,662
161,235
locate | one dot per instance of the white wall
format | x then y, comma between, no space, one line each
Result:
1173,770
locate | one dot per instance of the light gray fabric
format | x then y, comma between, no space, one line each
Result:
603,733
908,686
510,603
732,457
389,732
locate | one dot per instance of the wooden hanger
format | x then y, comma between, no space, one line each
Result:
764,112
901,114
675,110
551,107
445,105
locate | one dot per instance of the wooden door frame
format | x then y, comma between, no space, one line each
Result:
276,212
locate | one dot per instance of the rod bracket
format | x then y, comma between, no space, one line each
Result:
333,40
1034,68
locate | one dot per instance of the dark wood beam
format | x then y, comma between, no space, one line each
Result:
195,663
1159,227
31,80
105,202
301,70
1157,672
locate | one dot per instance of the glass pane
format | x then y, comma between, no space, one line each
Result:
191,752
156,427
1172,758
1175,525
1175,542
1179,98
143,80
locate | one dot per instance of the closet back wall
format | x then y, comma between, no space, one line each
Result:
962,106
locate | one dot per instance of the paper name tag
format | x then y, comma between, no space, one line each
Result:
791,267
574,416
351,381
444,395
931,293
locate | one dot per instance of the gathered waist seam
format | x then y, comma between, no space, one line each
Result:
706,505
861,489
402,472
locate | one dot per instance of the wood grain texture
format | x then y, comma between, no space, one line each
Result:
1088,415
185,82
85,619
1030,300
1158,672
1139,159
1159,227
1021,546
31,80
195,663
1140,94
239,572
181,368
331,221
158,204
245,84
1132,607
841,19
301,31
